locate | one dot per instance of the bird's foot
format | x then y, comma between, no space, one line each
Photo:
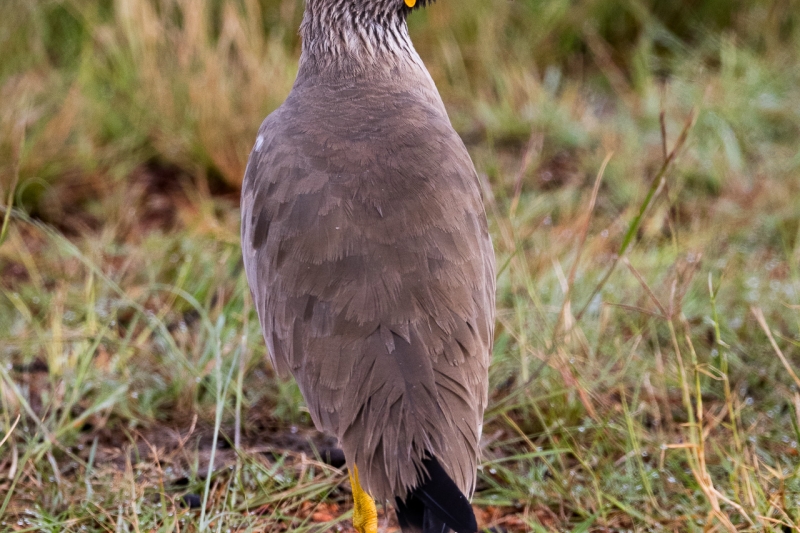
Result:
365,515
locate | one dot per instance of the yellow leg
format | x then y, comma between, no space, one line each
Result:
365,515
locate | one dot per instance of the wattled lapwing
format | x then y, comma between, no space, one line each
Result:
367,253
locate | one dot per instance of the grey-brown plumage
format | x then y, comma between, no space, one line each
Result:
367,251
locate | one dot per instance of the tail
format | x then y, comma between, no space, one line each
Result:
436,505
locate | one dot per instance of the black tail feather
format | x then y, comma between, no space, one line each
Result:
410,514
436,505
432,524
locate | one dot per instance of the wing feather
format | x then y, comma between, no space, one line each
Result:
372,271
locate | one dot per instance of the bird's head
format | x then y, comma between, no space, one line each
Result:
366,9
362,29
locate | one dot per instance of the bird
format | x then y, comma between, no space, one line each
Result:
369,260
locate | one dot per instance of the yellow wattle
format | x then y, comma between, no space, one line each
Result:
365,515
410,3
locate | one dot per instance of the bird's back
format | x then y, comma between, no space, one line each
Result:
368,256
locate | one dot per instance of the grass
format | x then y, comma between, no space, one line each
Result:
640,168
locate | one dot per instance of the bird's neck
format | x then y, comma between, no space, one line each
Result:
349,37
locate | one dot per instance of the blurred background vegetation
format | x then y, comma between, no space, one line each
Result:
101,88
661,396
